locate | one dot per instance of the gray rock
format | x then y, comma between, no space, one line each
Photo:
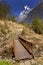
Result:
33,61
27,62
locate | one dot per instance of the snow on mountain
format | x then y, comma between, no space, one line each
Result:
23,14
37,11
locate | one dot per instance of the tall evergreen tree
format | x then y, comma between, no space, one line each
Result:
4,9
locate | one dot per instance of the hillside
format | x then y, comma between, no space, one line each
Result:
31,36
10,31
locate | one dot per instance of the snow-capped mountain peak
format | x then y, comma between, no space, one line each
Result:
26,7
23,14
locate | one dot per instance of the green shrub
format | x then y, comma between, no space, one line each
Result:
26,24
37,25
3,29
4,10
3,62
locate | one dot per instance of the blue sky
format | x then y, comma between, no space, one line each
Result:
18,5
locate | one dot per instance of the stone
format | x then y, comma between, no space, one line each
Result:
33,61
0,57
37,46
27,63
13,61
22,63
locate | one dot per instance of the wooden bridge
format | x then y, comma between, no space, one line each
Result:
22,49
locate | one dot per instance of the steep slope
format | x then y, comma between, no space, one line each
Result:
8,30
29,36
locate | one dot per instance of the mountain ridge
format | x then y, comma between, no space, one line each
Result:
23,14
37,11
